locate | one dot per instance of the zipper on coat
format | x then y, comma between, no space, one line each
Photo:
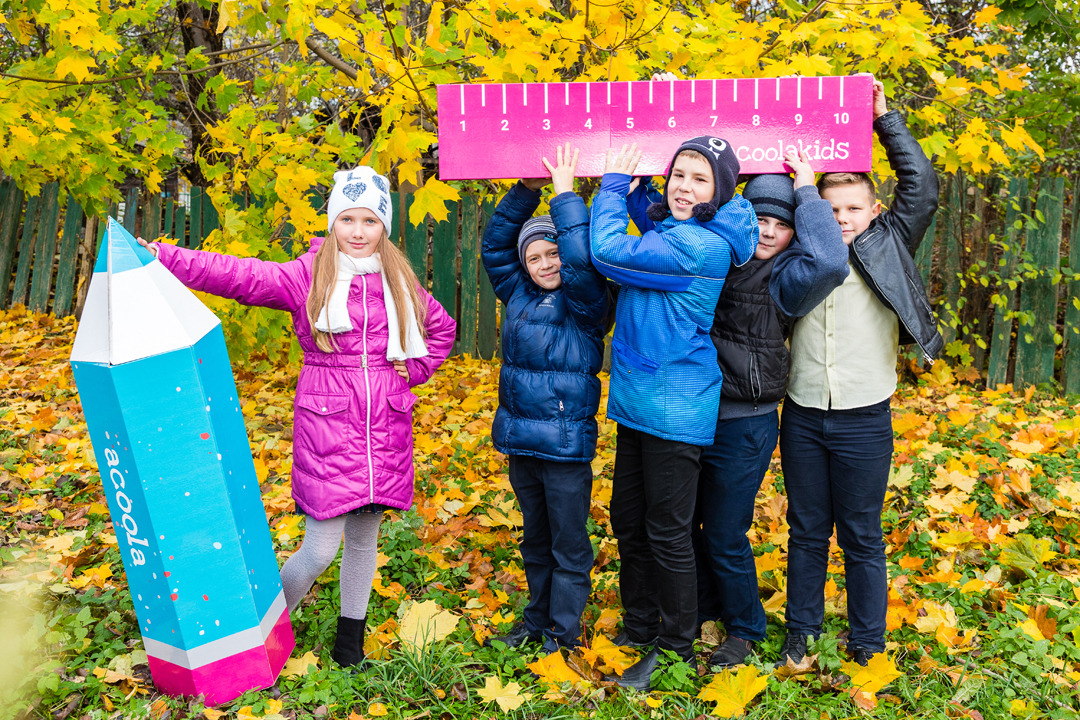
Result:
367,393
562,424
755,381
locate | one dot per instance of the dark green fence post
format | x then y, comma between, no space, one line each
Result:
209,215
151,221
69,252
924,256
45,248
1018,204
444,262
1035,344
131,209
180,225
487,339
195,236
167,227
11,202
952,238
26,251
470,256
416,242
1070,352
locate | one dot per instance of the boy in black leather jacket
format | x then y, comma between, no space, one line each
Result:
836,437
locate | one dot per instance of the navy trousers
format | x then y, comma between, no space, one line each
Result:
836,466
555,547
654,490
732,469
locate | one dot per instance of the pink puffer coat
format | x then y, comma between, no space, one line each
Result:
352,421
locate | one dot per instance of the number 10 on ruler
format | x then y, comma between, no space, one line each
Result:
501,131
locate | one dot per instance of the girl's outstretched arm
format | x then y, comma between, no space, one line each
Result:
279,286
441,331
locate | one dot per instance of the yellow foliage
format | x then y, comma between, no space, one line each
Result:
733,691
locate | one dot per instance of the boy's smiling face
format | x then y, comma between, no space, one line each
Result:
543,263
691,182
854,207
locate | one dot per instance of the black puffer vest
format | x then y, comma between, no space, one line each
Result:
749,333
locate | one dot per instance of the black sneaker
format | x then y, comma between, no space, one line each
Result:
733,651
624,640
518,635
862,655
793,649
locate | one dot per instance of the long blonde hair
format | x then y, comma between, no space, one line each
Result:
399,276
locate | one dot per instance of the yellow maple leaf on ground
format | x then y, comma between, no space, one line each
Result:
552,669
93,576
300,665
508,697
613,656
426,622
879,672
732,692
376,710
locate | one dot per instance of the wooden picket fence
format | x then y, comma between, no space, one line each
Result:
48,268
47,250
1028,338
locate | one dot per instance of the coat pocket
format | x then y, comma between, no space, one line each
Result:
400,420
634,359
321,426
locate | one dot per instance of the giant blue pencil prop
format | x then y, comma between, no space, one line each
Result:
164,418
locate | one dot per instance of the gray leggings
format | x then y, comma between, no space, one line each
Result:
322,538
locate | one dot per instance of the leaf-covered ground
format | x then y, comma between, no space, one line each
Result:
982,522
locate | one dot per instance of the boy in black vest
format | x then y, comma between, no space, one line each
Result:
750,336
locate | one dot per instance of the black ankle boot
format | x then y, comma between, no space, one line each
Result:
349,644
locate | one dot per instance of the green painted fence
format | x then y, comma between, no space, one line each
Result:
47,263
47,248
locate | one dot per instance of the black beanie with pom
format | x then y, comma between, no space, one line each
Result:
725,169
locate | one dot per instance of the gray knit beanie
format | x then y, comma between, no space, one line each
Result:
538,228
772,196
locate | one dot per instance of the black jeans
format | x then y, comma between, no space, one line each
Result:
555,548
654,489
836,466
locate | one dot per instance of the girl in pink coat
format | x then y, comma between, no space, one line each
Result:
369,333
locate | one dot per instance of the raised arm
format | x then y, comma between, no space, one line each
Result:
280,286
499,248
916,197
669,262
816,262
585,289
638,202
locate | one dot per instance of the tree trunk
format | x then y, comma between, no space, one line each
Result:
198,28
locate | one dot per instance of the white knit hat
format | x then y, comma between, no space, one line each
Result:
360,187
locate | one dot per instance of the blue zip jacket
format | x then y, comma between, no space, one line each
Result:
665,380
552,341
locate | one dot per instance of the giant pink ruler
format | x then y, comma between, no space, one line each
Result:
502,130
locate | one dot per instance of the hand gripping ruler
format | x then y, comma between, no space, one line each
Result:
502,130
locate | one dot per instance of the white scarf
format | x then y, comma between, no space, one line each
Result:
334,317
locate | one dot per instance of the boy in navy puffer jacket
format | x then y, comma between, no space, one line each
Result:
665,381
557,311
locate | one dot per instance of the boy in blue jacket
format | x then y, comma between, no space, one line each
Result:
557,311
665,381
836,437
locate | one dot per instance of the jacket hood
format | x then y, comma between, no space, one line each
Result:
737,223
